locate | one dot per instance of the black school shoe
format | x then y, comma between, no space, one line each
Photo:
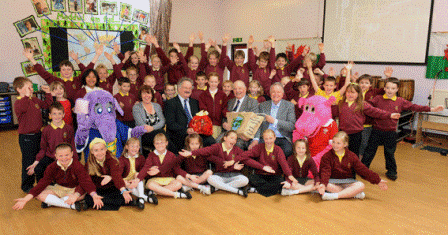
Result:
81,205
140,205
44,205
212,189
187,194
243,192
152,199
391,176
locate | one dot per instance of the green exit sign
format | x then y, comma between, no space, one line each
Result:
237,39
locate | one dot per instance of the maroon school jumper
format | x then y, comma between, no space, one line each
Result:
159,74
71,86
74,176
276,160
195,165
175,71
236,72
216,154
286,71
370,94
191,73
128,102
396,106
29,114
125,165
110,167
219,68
216,107
262,74
51,137
352,121
330,167
196,93
302,172
170,167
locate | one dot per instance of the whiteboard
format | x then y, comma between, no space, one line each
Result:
377,31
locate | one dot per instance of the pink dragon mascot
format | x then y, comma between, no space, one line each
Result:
316,125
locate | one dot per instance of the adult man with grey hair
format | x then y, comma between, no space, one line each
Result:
280,117
178,113
241,103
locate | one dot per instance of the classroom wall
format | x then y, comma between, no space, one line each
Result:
288,19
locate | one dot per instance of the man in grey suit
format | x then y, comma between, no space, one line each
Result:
241,103
280,117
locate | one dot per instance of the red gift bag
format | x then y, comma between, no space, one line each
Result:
201,123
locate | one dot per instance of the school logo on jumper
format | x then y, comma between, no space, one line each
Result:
37,106
130,101
74,86
220,102
273,158
233,156
348,166
396,108
242,70
65,135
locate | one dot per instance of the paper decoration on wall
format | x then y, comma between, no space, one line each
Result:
28,68
26,26
125,11
41,7
75,6
58,5
140,16
144,30
109,8
33,44
91,7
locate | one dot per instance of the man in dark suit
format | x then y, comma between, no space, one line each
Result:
178,113
280,117
241,103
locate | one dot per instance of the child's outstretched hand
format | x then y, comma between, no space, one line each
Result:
97,202
21,202
321,189
382,184
30,169
251,40
109,57
99,50
238,166
319,71
29,54
73,55
349,65
45,88
268,169
395,115
176,46
228,163
289,47
308,64
273,73
306,49
106,179
117,48
127,54
185,153
271,39
201,37
321,47
437,109
388,72
331,72
225,39
153,171
286,184
191,39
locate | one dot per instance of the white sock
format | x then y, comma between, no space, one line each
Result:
289,192
180,195
330,196
360,195
186,188
202,187
53,200
252,190
139,191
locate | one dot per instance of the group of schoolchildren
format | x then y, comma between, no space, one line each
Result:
367,119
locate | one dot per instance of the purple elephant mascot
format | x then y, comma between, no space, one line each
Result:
96,116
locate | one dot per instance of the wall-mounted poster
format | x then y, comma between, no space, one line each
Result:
26,26
144,31
58,5
140,16
91,7
109,8
28,68
33,44
75,6
41,7
125,11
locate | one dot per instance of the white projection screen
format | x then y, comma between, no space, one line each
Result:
377,31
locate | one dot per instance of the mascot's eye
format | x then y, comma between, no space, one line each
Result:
109,107
98,108
312,109
306,108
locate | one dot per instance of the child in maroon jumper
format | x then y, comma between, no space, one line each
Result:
163,167
300,164
156,68
238,69
336,172
195,166
136,77
265,71
384,131
104,170
227,87
270,166
52,135
256,91
175,69
28,112
71,181
213,63
58,92
71,84
131,162
201,87
126,100
214,101
352,112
